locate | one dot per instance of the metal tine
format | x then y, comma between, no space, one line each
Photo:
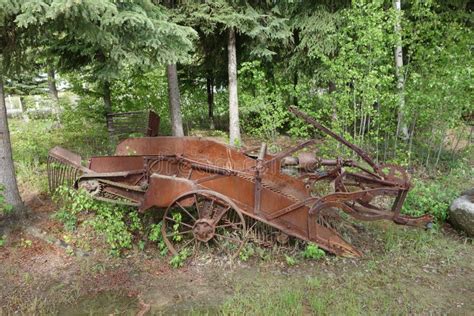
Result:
60,174
48,168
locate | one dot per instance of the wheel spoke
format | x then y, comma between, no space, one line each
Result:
197,205
210,208
187,243
218,215
181,223
179,233
186,211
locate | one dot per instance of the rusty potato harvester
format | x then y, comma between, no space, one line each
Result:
208,192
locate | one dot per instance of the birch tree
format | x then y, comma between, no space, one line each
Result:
234,126
402,129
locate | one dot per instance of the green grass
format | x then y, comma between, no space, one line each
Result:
32,140
394,280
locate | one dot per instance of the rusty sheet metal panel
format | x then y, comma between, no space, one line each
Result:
164,189
104,164
200,149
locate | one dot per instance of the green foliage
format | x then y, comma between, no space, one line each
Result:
32,140
434,196
5,208
116,223
110,220
156,236
263,109
3,240
177,261
71,203
103,37
312,251
290,260
247,252
431,198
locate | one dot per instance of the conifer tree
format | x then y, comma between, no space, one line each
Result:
101,38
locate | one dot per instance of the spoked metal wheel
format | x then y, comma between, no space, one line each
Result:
203,220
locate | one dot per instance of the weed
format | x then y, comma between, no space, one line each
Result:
115,222
155,235
435,196
25,243
178,260
246,252
69,251
66,217
177,218
291,261
312,251
3,240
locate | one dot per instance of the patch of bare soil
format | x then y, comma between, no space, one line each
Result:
41,274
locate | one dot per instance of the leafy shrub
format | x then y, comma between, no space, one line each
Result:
117,223
246,252
156,236
312,251
178,260
435,196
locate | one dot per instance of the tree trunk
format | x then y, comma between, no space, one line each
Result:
294,99
53,91
174,103
234,128
402,129
107,97
7,168
210,100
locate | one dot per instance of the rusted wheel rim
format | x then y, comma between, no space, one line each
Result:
203,220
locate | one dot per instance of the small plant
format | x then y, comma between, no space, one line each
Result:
177,217
155,235
69,251
291,261
312,251
246,252
178,260
3,240
66,217
25,243
5,208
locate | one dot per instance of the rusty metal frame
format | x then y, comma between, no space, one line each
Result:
165,168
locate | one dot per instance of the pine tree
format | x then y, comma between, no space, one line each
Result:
101,38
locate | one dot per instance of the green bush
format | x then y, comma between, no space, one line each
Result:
116,223
312,251
434,196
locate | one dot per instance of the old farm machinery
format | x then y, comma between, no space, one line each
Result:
210,194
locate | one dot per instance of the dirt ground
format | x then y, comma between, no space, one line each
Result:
42,272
